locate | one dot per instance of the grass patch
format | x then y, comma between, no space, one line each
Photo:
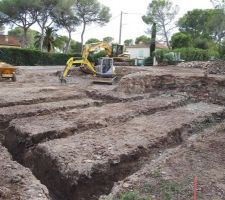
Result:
132,196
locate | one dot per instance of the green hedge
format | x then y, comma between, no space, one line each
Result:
187,54
29,57
148,61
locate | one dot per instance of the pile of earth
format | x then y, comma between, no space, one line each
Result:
211,67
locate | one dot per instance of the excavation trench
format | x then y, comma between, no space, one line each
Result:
30,149
41,100
19,140
112,97
103,176
7,114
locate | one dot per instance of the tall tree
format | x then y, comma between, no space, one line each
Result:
216,25
64,17
44,21
195,22
219,4
218,21
60,42
18,33
22,13
2,29
76,47
142,39
92,40
108,39
162,12
128,42
153,40
91,11
208,23
49,39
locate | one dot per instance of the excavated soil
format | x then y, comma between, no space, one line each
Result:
32,130
83,141
107,153
17,182
171,175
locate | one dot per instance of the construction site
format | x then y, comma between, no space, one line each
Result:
150,133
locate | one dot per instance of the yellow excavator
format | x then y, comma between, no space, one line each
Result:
103,71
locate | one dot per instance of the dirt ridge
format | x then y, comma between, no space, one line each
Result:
104,176
18,141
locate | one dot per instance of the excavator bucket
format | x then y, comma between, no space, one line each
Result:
104,71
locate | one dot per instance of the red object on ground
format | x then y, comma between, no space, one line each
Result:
195,187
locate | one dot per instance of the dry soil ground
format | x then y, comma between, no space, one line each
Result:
145,137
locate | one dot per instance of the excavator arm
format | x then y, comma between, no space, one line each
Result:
72,61
88,48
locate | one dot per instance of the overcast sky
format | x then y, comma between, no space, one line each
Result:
133,26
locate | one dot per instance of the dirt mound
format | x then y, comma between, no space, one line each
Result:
211,67
125,70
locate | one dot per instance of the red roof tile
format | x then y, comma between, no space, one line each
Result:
9,41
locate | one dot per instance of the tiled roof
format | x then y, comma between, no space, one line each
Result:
9,41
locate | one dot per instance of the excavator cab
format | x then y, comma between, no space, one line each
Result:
105,67
117,50
105,71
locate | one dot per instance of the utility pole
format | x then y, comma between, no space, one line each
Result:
121,24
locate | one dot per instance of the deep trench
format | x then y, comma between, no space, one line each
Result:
18,143
104,176
39,100
101,181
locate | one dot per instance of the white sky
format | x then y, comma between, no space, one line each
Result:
133,26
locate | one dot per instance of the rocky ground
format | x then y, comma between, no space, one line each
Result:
145,137
210,67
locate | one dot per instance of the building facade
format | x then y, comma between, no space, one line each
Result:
142,51
9,41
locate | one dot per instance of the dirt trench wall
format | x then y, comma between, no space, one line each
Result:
209,87
71,165
17,182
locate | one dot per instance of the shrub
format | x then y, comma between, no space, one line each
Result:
148,61
131,62
132,196
193,54
180,40
201,43
187,54
170,58
30,57
222,50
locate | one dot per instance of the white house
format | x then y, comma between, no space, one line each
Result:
142,51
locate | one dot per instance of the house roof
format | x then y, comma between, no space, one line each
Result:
9,41
158,45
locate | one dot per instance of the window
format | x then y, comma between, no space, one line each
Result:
141,53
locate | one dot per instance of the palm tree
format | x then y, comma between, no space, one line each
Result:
49,39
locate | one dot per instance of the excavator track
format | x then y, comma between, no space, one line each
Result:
101,80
